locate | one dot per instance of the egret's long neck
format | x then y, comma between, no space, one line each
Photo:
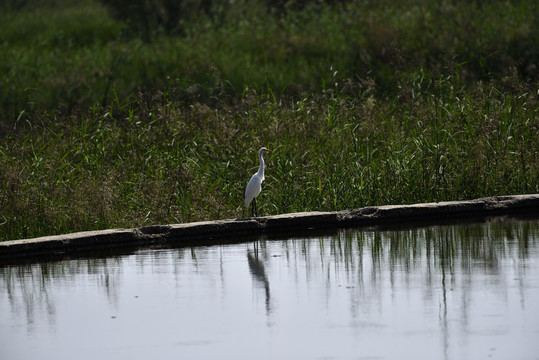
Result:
261,167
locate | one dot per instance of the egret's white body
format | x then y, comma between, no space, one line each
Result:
255,184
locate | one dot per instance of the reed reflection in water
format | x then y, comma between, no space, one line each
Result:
453,292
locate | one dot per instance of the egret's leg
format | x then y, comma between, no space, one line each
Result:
255,208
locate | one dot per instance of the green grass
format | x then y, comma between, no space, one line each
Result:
361,104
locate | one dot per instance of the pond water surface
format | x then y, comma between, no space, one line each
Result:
468,291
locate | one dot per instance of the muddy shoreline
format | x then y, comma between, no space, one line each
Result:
218,231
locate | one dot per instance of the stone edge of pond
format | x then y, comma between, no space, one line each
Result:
191,233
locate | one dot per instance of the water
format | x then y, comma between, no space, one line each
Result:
438,292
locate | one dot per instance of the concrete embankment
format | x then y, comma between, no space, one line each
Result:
208,232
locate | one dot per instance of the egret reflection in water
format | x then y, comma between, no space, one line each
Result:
258,271
443,291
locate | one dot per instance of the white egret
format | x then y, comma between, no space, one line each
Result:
255,184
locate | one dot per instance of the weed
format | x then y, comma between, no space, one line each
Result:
362,104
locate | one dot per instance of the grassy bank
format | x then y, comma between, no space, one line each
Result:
361,105
74,54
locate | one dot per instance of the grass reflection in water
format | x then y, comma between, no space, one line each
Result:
442,289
